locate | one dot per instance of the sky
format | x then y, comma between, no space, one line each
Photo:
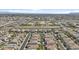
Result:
39,6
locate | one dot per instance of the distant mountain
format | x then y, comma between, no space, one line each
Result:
75,13
40,11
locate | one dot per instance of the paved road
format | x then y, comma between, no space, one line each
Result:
25,41
6,24
59,42
39,27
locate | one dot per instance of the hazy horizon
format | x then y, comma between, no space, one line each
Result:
45,11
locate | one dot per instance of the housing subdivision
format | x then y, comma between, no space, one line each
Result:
39,32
